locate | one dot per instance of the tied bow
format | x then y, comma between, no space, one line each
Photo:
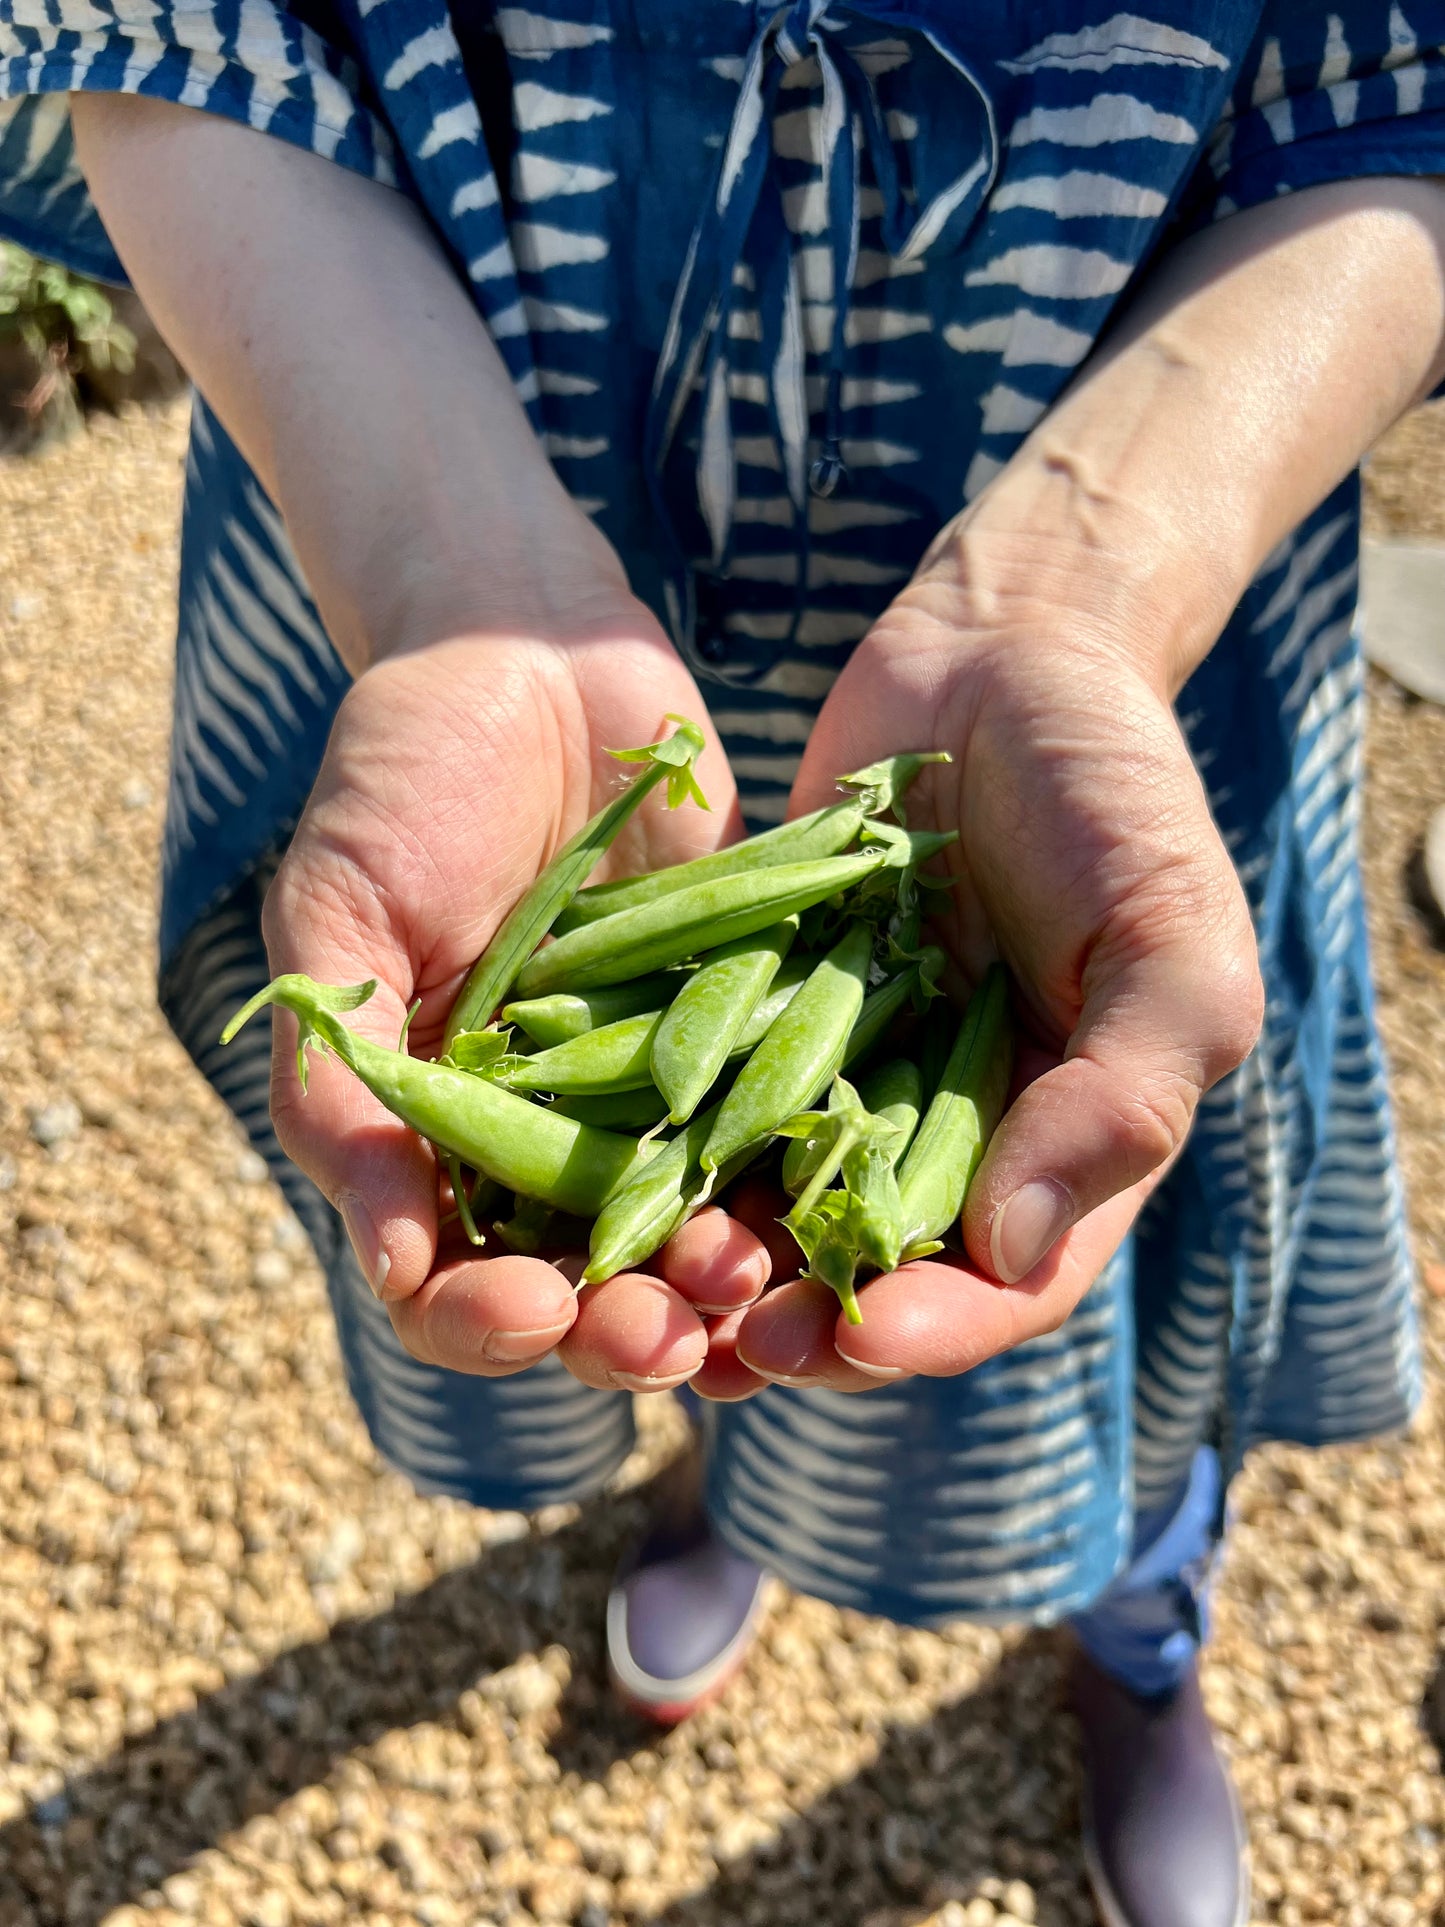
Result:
743,242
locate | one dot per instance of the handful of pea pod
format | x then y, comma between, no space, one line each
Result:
621,1052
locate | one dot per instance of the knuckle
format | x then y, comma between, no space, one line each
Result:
1237,1015
1153,1120
1052,1318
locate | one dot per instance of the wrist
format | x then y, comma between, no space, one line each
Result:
1062,549
532,566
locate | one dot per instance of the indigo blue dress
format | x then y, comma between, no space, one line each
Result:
782,288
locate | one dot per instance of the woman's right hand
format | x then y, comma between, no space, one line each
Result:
454,772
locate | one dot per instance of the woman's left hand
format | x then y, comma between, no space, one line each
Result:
1041,643
1088,859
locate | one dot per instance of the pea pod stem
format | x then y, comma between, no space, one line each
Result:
892,1092
524,1146
524,926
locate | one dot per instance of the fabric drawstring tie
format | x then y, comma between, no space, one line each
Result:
743,247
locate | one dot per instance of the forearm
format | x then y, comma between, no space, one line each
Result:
1258,364
322,321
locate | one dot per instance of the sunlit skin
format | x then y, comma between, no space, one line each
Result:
498,654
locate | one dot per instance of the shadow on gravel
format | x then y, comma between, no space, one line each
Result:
941,1805
137,1818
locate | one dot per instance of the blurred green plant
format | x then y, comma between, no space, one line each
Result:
57,329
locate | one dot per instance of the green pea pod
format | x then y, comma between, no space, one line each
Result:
598,1063
522,1145
621,1108
696,1035
701,918
524,926
618,1110
800,1054
771,1005
565,1014
895,1091
826,832
642,1214
934,1178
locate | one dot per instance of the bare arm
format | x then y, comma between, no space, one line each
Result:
497,652
323,322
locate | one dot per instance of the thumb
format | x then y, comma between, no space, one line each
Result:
380,1176
1156,1030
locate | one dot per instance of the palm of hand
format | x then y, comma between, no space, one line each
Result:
1088,860
451,778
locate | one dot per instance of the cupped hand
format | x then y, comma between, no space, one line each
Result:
1088,860
452,775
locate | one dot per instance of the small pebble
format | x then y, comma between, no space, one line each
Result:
56,1122
25,608
344,1546
137,795
250,1167
272,1270
1402,591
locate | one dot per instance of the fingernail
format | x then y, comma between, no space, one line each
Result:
371,1254
799,1382
510,1348
635,1382
873,1371
1026,1225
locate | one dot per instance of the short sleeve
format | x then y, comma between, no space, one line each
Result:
1328,95
250,60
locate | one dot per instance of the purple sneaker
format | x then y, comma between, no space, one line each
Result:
1164,1841
684,1608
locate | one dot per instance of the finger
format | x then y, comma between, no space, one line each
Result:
633,1333
378,1173
760,1205
789,1338
715,1262
1162,1020
937,1319
490,1317
722,1375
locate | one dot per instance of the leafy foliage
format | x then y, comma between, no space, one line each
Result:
56,330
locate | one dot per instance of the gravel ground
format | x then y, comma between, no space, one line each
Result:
247,1677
